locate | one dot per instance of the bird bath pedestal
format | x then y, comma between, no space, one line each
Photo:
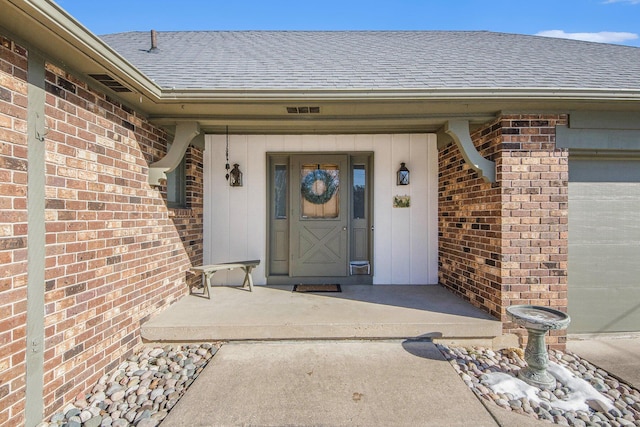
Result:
537,321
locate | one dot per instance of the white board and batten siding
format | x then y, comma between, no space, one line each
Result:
405,240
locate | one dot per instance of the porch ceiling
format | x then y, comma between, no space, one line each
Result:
332,118
377,114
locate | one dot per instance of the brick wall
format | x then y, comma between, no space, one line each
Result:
115,254
189,220
506,243
13,230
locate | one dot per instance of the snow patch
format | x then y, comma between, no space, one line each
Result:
575,400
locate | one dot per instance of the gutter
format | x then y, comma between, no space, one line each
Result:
445,94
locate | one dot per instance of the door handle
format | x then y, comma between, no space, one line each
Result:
344,228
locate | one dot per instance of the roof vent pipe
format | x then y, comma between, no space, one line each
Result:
154,40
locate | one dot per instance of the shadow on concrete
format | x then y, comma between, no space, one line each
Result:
433,298
422,347
358,312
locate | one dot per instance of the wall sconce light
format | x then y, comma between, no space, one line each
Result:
235,178
403,175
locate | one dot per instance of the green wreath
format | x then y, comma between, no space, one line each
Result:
330,187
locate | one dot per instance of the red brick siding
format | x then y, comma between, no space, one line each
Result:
13,231
506,243
115,254
189,221
469,212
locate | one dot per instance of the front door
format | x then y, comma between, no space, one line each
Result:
319,215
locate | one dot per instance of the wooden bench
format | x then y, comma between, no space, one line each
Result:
208,271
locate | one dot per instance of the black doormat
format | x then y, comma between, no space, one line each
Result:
317,288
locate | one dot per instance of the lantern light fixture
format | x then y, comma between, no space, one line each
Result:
403,175
235,178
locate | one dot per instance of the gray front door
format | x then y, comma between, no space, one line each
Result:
319,215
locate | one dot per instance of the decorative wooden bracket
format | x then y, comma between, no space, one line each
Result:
185,134
458,130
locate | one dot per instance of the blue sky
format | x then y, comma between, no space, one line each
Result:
608,21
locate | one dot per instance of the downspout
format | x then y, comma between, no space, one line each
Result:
36,240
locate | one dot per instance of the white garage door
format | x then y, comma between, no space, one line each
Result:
604,245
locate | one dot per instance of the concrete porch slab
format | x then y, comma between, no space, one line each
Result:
358,312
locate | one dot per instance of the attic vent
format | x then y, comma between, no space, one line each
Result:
303,110
110,82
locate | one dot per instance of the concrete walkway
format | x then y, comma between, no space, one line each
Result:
303,381
618,354
334,383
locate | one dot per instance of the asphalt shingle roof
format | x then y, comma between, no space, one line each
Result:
376,60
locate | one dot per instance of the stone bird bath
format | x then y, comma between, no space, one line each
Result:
537,321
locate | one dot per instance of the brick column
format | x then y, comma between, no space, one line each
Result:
506,243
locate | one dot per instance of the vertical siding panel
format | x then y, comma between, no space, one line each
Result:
274,143
345,143
382,234
208,165
401,218
237,232
419,209
432,208
256,177
363,143
311,142
292,143
220,206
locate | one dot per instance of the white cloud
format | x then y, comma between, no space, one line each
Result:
601,37
622,1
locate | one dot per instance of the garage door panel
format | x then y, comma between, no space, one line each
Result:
601,169
606,224
592,312
611,233
604,245
602,216
619,192
604,264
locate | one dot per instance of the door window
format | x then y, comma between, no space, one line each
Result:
280,188
320,191
359,188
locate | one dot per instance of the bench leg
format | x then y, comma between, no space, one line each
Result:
204,286
247,278
206,278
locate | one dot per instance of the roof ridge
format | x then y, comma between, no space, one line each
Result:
383,31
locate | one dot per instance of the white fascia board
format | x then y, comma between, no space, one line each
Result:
444,94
